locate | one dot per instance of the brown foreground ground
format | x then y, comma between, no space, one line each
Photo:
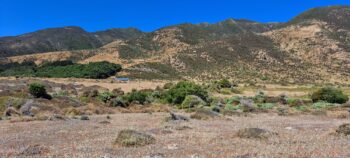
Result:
298,136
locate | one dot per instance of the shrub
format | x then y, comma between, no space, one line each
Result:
267,105
177,93
330,95
105,96
38,90
192,101
224,83
139,96
321,105
260,97
61,69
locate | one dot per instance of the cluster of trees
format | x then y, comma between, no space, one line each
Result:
61,69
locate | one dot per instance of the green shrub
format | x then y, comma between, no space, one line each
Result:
106,96
330,95
177,93
266,105
321,105
96,70
225,83
225,91
139,96
61,69
230,107
260,97
38,90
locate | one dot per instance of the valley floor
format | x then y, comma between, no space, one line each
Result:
298,136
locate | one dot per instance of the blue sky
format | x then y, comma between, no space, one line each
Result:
22,16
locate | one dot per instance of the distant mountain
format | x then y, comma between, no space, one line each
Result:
312,47
60,39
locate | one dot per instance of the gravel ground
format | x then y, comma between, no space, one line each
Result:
298,136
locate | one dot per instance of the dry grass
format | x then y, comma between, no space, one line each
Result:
298,136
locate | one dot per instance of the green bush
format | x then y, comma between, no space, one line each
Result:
38,90
61,69
266,105
106,96
134,95
321,105
330,95
177,93
96,70
225,83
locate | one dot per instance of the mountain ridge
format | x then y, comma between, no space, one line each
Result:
312,47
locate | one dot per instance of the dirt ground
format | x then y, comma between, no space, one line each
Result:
298,136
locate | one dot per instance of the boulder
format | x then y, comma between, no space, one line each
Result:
176,117
29,108
117,102
344,129
11,111
118,92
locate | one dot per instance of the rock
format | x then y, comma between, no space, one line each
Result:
11,111
104,122
172,147
254,133
131,138
29,108
192,101
175,117
84,118
90,93
118,92
117,102
57,118
247,105
157,155
34,150
344,129
195,156
180,128
204,114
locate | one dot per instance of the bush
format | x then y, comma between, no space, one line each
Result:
177,93
192,101
61,69
330,95
117,102
106,96
267,105
38,90
224,83
139,96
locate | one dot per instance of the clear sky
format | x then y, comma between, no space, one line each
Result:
22,16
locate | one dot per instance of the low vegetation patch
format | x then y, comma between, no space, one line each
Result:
38,91
131,138
330,95
178,93
62,69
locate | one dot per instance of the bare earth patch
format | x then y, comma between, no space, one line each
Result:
298,136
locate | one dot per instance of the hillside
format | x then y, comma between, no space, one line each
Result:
312,47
